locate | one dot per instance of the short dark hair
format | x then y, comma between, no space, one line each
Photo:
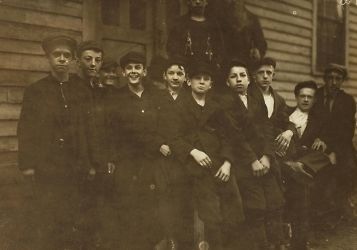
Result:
264,61
89,45
235,62
176,60
304,84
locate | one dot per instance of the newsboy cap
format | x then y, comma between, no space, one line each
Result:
89,45
304,84
201,67
49,43
336,67
132,57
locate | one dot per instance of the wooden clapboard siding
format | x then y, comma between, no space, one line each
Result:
8,143
20,61
67,8
286,28
8,128
39,18
23,31
15,77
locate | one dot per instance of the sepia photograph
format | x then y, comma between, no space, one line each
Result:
178,125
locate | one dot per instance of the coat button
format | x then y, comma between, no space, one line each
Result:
152,186
142,111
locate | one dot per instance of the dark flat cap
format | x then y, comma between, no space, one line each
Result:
89,45
108,63
304,84
201,67
49,43
132,57
336,67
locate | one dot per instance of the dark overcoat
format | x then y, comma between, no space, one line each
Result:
250,130
201,128
55,129
338,127
170,170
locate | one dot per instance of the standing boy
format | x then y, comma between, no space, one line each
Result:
175,203
261,194
201,147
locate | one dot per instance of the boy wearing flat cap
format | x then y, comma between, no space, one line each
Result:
336,110
53,133
201,148
134,126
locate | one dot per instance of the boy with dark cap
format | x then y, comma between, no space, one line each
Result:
134,125
108,73
336,110
54,131
262,198
175,203
201,147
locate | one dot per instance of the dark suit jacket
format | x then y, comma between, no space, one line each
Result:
169,170
338,125
249,130
312,130
134,126
101,106
300,147
200,128
55,129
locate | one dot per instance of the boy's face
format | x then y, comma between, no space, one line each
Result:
305,99
238,79
175,76
108,76
90,62
333,81
60,58
201,83
264,76
134,72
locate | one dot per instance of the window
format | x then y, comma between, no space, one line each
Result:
110,12
330,43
